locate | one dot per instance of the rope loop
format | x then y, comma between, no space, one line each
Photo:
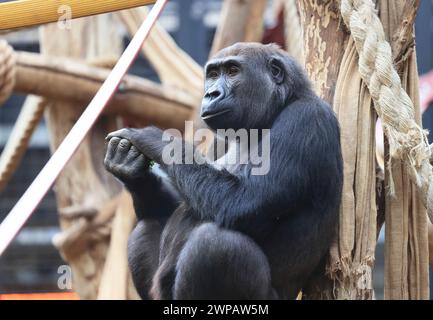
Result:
7,71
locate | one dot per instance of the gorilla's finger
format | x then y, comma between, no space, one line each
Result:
124,145
125,133
132,154
112,147
122,150
147,140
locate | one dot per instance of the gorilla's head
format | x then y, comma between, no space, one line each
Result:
248,84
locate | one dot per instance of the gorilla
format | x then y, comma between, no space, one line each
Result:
220,232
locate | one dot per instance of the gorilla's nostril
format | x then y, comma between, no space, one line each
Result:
213,94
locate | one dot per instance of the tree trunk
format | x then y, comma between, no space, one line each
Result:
68,80
331,61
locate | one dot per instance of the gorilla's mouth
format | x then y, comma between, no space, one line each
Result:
210,114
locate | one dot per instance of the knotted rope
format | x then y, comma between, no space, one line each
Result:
408,141
7,71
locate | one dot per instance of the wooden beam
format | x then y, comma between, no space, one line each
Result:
68,80
25,13
173,65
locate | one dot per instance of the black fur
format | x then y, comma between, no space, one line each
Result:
237,235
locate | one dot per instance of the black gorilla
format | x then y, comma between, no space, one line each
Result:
224,233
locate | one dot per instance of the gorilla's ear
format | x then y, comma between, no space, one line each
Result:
277,70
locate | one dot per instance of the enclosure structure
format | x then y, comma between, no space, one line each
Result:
360,56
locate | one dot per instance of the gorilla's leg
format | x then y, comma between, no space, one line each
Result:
143,254
176,233
216,263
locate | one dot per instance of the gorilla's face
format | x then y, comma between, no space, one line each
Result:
240,89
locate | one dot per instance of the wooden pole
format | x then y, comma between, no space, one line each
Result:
240,21
174,66
25,13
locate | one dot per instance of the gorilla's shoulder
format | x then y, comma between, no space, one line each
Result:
309,119
305,109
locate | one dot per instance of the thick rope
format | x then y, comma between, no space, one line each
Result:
16,146
408,141
7,71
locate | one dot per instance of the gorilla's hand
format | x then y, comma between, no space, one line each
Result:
125,161
147,141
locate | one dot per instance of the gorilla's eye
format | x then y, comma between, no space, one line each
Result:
233,70
212,74
275,70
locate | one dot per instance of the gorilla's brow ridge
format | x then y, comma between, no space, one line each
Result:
216,63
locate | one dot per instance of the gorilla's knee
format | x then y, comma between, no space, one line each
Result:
217,263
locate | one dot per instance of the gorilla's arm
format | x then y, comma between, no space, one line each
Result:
304,147
153,197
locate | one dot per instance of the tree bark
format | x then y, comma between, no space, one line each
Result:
324,41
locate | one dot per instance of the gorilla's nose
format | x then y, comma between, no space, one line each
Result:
212,94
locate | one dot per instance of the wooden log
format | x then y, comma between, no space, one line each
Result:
68,80
25,13
241,20
173,65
